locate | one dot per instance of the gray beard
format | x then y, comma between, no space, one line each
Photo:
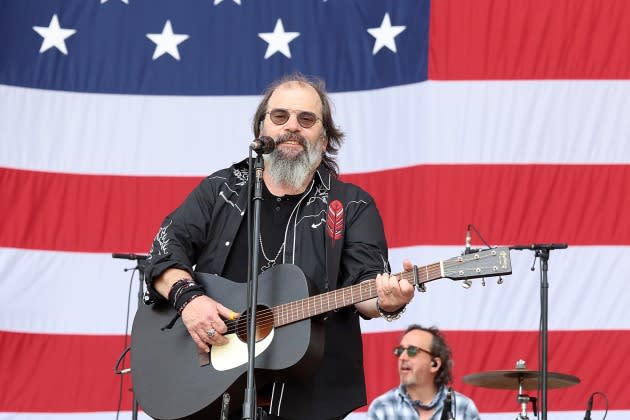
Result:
292,172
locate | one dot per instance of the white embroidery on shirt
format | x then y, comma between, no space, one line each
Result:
231,203
161,240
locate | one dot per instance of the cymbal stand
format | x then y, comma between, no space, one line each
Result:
523,399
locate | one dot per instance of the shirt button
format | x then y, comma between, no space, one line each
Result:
278,208
278,199
227,243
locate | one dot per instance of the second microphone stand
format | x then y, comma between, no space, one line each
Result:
542,252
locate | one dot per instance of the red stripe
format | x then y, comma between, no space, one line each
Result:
61,373
577,204
74,373
597,358
85,213
534,39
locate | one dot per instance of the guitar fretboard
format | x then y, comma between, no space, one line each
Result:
329,301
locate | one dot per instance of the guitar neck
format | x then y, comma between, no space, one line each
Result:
329,301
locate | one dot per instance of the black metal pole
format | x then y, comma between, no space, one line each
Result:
543,254
249,404
542,251
141,260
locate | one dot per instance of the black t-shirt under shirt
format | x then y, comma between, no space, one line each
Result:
274,215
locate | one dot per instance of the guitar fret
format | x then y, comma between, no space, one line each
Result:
332,300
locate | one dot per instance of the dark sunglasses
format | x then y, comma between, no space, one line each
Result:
411,351
280,116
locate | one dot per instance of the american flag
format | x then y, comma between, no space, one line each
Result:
509,115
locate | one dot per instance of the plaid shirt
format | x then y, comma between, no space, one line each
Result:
396,405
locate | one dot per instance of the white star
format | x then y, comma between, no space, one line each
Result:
278,40
54,35
385,35
124,1
220,1
167,41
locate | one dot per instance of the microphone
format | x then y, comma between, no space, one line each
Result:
447,408
589,407
263,145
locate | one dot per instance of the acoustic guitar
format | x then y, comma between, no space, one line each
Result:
172,381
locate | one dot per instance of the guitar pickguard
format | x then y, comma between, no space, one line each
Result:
234,353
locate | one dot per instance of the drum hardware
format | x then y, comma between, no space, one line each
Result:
521,379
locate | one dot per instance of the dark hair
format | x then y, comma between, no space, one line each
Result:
332,133
439,348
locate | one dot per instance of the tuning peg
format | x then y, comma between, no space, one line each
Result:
466,284
500,280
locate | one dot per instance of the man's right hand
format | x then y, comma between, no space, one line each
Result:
203,320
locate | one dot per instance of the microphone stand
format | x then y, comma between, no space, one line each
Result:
249,404
542,252
141,261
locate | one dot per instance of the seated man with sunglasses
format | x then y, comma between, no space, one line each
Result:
330,229
424,366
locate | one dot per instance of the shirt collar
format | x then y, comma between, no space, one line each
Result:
439,396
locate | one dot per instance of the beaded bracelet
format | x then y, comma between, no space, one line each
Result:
390,316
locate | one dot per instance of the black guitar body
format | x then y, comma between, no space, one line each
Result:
169,382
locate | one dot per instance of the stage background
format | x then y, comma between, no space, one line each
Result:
510,115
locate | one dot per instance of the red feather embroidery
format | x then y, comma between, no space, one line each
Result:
334,221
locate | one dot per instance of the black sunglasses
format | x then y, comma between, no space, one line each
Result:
280,116
411,351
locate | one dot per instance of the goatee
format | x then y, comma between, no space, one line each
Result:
292,171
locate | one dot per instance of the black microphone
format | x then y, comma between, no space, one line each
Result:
589,407
263,145
447,408
130,256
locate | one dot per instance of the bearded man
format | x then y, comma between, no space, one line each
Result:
208,233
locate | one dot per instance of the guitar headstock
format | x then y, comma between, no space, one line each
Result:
485,263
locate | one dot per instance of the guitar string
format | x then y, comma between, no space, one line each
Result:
298,306
266,319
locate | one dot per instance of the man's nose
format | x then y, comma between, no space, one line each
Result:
292,123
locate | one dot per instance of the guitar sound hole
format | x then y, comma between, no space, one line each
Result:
264,324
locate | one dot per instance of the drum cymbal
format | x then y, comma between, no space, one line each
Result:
510,379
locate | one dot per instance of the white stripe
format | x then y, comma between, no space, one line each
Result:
580,280
552,415
60,292
126,415
87,293
430,122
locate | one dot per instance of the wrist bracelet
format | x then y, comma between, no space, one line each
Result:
189,298
178,287
390,316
